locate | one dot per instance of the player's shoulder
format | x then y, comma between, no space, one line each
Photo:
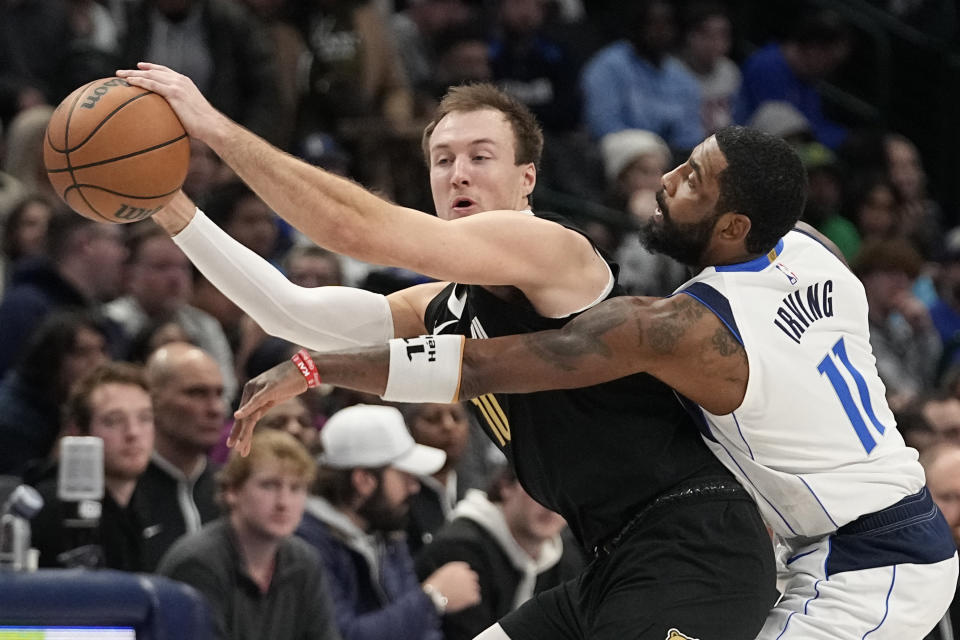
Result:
805,235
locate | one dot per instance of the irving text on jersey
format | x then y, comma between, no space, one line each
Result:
798,311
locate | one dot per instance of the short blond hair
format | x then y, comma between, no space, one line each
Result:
268,445
527,134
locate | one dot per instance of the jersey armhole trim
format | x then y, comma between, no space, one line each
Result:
715,302
603,294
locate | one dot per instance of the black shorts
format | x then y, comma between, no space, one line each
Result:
703,566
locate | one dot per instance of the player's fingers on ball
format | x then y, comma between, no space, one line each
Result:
152,65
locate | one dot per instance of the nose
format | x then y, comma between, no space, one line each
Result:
460,174
215,405
413,484
669,181
286,496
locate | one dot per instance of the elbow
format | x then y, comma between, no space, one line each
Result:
273,327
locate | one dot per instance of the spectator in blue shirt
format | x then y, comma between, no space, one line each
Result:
636,84
790,71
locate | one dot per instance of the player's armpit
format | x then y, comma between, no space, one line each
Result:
694,352
408,307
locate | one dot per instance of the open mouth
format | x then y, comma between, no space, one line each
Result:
662,210
462,204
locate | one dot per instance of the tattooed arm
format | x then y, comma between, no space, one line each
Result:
675,339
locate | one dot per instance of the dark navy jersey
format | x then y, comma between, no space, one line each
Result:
594,455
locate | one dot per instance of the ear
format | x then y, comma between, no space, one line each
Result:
364,482
733,227
230,498
529,178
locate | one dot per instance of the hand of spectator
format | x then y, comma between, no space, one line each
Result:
913,310
197,115
458,583
271,387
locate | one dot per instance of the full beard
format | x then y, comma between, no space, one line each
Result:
383,516
685,242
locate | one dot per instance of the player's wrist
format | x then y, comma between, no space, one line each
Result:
307,368
439,600
176,215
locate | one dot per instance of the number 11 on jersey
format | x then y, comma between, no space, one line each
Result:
829,368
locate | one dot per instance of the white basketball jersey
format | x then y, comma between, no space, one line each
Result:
814,441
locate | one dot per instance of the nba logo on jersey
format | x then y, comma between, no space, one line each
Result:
791,276
673,634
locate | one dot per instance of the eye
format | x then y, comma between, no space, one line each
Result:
112,422
478,157
440,162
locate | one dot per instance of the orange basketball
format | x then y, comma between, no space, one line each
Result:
115,152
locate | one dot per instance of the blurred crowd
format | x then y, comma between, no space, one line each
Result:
109,331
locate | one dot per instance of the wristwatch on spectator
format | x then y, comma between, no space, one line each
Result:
439,600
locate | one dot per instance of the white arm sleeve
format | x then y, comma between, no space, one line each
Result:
322,318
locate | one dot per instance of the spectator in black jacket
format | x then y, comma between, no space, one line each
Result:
179,484
513,544
111,403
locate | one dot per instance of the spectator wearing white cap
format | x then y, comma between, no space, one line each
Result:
369,467
634,161
782,119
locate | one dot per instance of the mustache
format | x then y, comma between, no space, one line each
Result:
662,203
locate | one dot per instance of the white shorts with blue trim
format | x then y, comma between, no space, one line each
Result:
890,575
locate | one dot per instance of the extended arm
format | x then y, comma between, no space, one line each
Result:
322,318
676,339
497,248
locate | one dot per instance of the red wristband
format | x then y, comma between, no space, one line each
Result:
307,367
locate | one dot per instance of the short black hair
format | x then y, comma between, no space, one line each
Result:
63,232
764,180
38,365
